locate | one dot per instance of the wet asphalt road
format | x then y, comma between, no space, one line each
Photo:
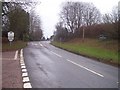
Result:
51,67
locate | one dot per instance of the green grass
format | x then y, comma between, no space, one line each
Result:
16,45
94,50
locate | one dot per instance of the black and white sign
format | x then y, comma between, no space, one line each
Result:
10,36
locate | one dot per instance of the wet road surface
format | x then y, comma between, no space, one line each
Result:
51,67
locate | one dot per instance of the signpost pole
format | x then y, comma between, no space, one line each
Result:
10,43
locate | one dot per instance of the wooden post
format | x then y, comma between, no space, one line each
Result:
10,43
83,34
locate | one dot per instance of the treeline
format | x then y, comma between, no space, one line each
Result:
77,17
16,17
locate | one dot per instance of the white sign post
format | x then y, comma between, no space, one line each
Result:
10,36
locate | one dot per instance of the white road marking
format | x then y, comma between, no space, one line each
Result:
27,85
23,67
16,55
24,74
56,54
22,64
21,53
26,79
24,70
40,44
86,68
22,60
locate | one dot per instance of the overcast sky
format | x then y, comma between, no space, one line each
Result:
49,11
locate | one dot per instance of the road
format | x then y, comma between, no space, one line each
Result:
51,67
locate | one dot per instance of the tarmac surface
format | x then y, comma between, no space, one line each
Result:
51,67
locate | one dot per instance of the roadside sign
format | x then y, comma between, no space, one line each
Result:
10,36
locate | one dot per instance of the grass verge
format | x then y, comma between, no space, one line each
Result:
95,50
16,45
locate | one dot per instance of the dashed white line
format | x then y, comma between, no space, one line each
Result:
24,70
26,79
16,55
86,68
22,64
56,54
27,85
24,74
23,67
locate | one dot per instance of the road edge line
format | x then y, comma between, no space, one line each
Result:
26,84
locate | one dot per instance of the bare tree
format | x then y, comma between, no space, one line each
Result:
107,18
111,21
35,27
61,32
91,15
75,14
111,17
115,17
71,15
67,17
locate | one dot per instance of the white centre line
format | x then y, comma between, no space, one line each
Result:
56,54
86,68
16,55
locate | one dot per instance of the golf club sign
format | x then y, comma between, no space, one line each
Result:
10,36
